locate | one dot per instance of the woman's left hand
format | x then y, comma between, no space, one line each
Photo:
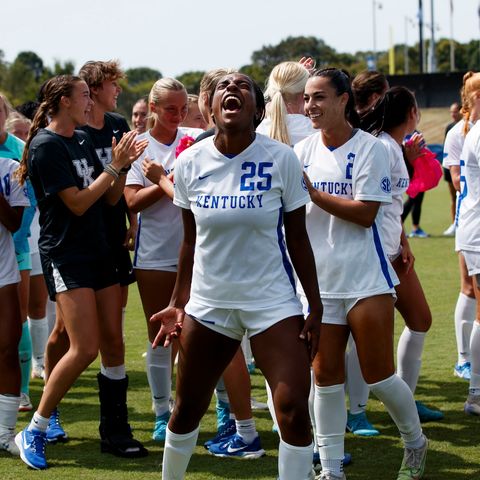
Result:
311,330
153,171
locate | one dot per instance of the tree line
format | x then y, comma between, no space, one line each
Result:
21,79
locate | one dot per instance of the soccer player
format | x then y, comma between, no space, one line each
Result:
71,185
236,189
159,238
348,179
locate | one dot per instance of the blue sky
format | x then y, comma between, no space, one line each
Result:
182,35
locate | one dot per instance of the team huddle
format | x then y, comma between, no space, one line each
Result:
237,212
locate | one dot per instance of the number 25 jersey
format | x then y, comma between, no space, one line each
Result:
238,203
350,259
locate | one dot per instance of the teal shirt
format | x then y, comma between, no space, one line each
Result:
13,148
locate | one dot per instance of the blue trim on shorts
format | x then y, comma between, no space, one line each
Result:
281,244
137,241
463,193
381,255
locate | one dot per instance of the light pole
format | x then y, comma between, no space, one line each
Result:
375,5
452,43
420,30
408,21
432,67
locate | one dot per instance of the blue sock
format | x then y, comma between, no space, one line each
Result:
25,356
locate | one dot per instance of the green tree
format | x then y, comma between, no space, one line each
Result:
191,81
139,75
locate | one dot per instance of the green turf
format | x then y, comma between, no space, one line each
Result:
454,442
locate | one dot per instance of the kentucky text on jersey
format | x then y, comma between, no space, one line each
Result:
334,188
229,201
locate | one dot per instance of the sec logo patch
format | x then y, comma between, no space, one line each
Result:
386,185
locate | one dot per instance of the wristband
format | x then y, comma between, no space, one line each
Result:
111,171
125,170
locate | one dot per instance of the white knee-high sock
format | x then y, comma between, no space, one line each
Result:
221,391
51,311
409,356
330,421
8,413
39,333
159,374
398,400
176,454
357,387
465,312
294,463
475,359
311,408
271,407
113,373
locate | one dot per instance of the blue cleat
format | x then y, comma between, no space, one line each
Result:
31,444
225,432
160,428
358,424
427,414
55,431
463,370
234,446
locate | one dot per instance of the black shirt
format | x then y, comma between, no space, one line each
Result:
56,163
115,221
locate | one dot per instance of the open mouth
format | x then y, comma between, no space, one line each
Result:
231,103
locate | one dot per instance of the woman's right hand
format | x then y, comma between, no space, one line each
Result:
171,319
413,147
127,150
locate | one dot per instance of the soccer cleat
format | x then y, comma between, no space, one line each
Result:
330,476
450,231
55,431
31,444
7,442
413,464
226,431
463,370
256,405
358,424
234,446
418,233
38,371
25,403
427,414
160,428
472,405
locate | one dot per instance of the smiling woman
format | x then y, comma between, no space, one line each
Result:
236,190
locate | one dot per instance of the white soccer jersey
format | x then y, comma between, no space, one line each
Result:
298,126
453,145
467,235
16,196
238,203
350,259
391,222
160,228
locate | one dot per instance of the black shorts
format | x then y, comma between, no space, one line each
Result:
123,264
446,175
95,275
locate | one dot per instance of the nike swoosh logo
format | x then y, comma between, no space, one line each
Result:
306,166
25,444
203,177
233,450
361,405
81,142
116,131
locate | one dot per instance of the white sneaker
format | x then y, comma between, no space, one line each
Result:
256,405
25,403
450,231
472,405
38,371
330,476
7,442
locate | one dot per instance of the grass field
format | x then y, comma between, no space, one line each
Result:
454,441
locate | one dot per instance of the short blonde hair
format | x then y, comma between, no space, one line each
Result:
14,118
160,87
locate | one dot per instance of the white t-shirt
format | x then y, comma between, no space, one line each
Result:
16,196
160,228
238,203
453,145
391,224
350,259
467,235
298,126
